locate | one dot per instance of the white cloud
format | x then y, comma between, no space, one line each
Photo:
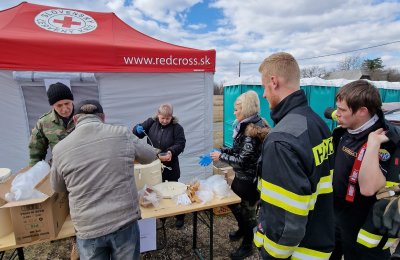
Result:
197,26
250,30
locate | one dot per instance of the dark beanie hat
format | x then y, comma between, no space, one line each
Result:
94,107
58,91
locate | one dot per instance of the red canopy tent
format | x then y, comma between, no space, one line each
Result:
100,57
87,41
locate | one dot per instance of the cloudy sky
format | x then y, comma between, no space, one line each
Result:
250,30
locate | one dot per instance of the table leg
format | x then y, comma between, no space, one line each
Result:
20,252
194,230
211,233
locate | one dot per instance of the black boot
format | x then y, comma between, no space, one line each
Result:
236,235
242,252
180,221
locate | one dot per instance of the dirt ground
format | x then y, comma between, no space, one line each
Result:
178,244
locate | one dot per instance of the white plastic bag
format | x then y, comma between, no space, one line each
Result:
205,192
219,186
182,199
149,197
23,186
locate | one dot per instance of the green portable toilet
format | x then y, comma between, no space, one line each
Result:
320,95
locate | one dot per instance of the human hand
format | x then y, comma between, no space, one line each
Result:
139,129
215,155
376,138
165,157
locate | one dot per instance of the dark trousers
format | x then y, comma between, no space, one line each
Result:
245,214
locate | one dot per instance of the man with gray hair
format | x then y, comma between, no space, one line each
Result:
95,165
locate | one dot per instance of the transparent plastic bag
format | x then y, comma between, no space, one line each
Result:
23,186
148,197
219,186
205,192
182,199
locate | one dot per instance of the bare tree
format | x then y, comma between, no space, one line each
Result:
393,75
350,63
314,71
218,88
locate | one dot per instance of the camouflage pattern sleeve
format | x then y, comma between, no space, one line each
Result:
38,145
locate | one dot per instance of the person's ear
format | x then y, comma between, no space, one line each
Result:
275,81
75,118
363,111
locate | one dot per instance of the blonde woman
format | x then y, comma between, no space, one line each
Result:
248,136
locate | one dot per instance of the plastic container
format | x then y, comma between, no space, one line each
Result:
5,173
149,174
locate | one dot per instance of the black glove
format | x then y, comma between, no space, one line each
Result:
377,214
391,217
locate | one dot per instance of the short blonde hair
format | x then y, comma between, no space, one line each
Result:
165,109
248,103
283,65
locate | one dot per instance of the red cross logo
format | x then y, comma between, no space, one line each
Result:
67,22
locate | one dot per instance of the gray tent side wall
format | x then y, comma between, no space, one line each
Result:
14,132
128,99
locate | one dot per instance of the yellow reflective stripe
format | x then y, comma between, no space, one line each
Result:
272,248
292,202
325,184
259,184
281,251
390,242
391,184
258,239
287,200
368,239
324,187
309,254
277,250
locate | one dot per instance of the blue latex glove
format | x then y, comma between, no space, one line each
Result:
139,129
205,160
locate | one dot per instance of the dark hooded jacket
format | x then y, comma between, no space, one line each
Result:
243,157
166,138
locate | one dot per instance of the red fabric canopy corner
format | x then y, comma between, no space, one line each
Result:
45,38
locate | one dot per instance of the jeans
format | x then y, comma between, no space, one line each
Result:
121,244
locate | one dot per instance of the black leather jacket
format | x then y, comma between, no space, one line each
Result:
246,149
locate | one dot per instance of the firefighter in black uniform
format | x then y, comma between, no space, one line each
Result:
358,174
296,213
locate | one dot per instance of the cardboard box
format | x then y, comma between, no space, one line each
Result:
229,176
37,219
